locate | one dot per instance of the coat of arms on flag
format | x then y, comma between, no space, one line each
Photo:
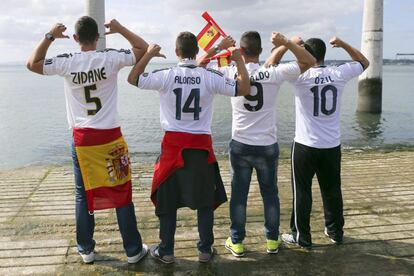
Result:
118,164
105,166
208,36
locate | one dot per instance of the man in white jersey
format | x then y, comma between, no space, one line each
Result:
254,136
316,147
187,174
90,81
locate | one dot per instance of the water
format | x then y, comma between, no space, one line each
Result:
33,128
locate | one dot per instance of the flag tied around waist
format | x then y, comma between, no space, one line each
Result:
105,167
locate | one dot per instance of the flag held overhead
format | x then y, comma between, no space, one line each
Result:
210,33
210,20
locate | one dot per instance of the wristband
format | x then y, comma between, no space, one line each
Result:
49,36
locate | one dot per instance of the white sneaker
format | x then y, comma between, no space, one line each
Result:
88,258
290,239
337,242
139,256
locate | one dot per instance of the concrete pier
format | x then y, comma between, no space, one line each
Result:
96,10
37,227
370,82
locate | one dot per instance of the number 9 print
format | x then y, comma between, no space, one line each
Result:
255,98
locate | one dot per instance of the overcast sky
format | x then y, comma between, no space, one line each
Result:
24,22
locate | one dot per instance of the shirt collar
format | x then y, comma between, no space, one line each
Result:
252,66
187,62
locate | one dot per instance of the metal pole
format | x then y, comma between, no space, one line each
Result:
370,82
96,10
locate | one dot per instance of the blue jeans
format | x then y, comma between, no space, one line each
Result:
168,223
264,159
85,222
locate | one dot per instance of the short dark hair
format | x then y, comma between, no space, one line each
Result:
186,45
317,48
251,43
86,29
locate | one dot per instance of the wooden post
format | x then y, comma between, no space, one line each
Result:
96,10
370,82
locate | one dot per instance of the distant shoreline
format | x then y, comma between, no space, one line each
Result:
147,159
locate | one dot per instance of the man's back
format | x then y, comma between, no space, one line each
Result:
318,96
90,85
254,118
186,95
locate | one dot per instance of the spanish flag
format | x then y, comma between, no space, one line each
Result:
208,35
223,59
105,166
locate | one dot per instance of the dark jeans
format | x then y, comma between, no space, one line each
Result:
168,223
326,164
85,222
264,159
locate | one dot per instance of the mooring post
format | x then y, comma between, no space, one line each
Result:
370,82
96,10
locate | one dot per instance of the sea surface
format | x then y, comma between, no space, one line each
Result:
34,131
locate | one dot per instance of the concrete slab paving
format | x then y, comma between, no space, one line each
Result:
37,229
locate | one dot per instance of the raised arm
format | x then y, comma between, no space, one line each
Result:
139,45
304,58
275,56
153,50
225,43
36,59
243,80
354,53
278,51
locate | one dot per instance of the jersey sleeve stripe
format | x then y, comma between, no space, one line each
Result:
215,71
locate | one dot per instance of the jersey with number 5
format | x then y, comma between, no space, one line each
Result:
318,96
186,95
90,80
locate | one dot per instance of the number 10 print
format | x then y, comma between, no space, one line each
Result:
322,98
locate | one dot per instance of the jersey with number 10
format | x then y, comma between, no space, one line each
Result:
91,85
318,96
186,95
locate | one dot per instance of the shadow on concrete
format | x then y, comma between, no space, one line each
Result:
354,257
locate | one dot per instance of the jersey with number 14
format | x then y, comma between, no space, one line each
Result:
90,85
186,95
254,116
318,96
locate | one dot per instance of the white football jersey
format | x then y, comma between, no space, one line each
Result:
254,116
90,81
186,95
318,96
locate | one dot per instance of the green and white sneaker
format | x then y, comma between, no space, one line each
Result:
272,246
237,249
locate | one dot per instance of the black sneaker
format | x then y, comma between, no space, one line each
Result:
334,241
206,257
166,259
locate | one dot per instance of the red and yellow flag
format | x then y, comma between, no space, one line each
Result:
105,166
223,59
208,35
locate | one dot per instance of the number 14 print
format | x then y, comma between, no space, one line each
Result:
194,96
